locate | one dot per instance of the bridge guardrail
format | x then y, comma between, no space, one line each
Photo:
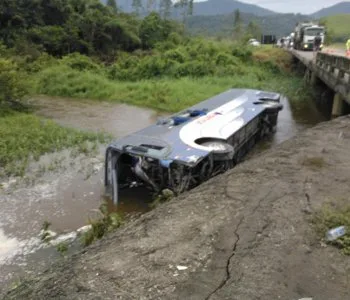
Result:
337,65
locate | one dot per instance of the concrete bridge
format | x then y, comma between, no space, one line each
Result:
334,71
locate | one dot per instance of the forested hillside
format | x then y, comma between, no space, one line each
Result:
339,8
84,26
221,25
338,26
205,8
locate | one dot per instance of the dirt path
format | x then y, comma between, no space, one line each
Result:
243,235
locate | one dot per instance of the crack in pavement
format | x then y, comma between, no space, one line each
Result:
228,273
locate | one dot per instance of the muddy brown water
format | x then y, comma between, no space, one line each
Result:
68,196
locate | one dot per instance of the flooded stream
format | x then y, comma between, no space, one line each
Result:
66,196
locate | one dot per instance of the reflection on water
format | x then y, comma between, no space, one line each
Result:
133,200
293,119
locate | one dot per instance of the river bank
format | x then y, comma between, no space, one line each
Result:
247,233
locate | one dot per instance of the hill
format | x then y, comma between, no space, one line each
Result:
340,8
221,25
339,26
205,8
220,7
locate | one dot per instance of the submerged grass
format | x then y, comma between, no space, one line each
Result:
100,226
25,137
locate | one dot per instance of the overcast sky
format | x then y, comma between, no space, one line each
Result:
294,6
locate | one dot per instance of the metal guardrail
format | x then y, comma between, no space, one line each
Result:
338,66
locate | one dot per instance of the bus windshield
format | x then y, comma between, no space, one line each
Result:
314,31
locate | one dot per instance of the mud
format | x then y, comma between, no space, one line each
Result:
243,235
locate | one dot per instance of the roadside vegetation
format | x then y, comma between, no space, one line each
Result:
332,216
104,222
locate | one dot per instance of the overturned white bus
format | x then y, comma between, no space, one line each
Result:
186,149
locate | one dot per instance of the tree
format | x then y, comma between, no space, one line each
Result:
154,29
237,25
165,7
113,5
137,6
253,30
150,3
185,7
64,26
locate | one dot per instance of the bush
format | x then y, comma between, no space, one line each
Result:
12,87
176,55
42,62
223,59
149,67
175,38
194,69
242,52
154,29
66,82
80,62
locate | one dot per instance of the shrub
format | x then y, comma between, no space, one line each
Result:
223,59
107,222
42,62
149,67
194,69
125,68
176,55
80,62
243,53
66,82
175,38
12,86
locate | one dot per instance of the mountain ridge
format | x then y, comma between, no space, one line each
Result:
204,8
339,8
226,7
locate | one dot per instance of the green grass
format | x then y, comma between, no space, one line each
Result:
25,137
339,26
174,79
331,216
107,222
163,94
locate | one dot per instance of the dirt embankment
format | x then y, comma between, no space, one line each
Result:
243,235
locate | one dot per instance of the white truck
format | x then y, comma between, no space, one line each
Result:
305,33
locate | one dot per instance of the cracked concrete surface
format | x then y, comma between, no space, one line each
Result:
243,235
